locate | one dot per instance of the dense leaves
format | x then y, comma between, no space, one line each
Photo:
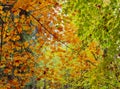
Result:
25,27
99,21
66,44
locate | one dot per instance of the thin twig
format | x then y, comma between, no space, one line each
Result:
51,33
1,38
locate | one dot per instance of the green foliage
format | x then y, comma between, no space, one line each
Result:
99,20
96,20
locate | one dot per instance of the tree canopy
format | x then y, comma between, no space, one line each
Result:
59,44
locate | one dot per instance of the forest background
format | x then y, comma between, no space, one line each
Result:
59,44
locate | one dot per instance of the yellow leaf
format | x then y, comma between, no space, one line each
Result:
26,44
1,7
16,20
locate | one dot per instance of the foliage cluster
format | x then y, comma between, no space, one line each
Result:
65,44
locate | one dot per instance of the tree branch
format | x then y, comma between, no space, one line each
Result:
52,33
1,22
